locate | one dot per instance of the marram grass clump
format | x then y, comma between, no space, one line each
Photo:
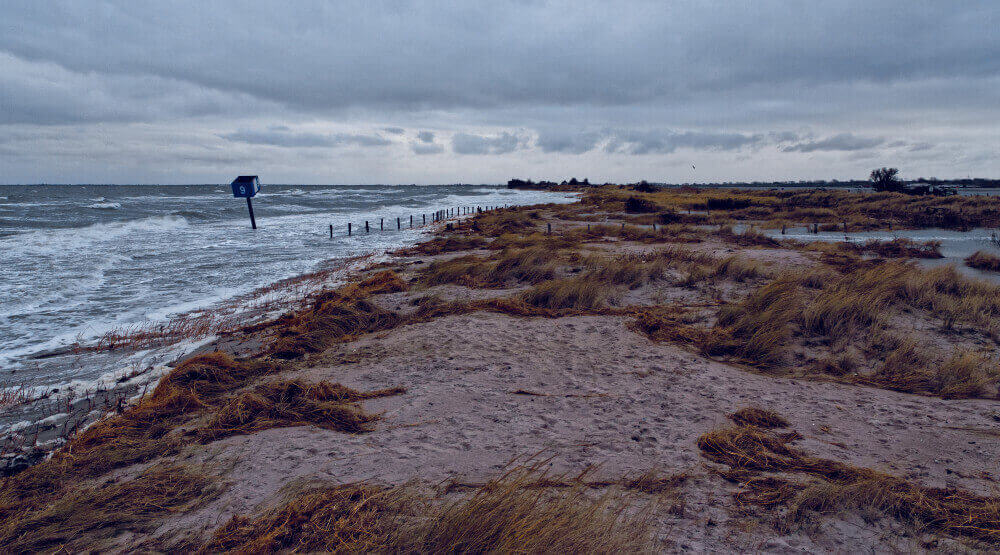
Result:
522,511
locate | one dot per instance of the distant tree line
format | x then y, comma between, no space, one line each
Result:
529,184
647,186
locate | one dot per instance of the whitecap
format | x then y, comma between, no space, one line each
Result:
106,205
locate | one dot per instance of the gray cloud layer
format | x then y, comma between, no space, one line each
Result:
465,143
282,136
842,142
595,79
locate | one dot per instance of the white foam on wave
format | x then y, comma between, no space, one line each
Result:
105,206
143,238
76,239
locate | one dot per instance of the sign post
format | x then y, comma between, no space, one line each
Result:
253,222
246,186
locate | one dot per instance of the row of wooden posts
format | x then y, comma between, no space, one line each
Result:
436,216
441,215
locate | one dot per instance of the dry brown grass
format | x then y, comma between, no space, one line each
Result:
856,307
145,431
508,515
581,292
446,243
983,260
912,368
668,323
89,514
522,511
334,317
837,487
861,210
500,222
339,519
533,264
757,329
739,269
760,417
468,271
967,374
293,403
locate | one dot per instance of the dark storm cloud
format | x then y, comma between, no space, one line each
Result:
553,140
426,137
465,143
319,55
281,136
842,142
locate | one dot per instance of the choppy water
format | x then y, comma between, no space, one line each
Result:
956,246
76,261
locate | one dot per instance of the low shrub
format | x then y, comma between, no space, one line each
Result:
636,205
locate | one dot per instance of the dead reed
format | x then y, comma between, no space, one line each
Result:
837,487
514,513
293,403
89,514
760,417
983,260
334,317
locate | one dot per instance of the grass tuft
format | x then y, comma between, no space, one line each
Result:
837,487
91,513
760,417
983,260
579,292
293,403
522,511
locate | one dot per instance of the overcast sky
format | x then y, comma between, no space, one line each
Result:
478,92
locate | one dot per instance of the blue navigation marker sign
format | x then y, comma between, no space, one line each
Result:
246,186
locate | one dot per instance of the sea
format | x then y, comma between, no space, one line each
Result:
79,260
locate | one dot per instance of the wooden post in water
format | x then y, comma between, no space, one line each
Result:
411,221
381,224
331,231
348,229
397,225
366,226
425,218
550,228
253,222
